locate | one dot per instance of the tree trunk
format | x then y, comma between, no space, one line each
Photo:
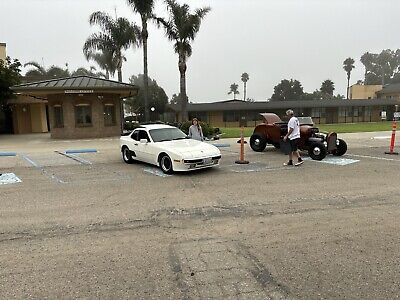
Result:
348,86
182,70
145,36
244,92
107,74
121,101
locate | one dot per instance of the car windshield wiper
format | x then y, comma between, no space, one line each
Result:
180,138
164,140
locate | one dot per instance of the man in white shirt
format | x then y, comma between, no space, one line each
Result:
294,137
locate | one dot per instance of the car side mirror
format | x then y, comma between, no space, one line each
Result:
143,141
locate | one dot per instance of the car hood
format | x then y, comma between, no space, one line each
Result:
189,148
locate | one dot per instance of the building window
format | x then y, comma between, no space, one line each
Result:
231,116
58,116
83,115
109,115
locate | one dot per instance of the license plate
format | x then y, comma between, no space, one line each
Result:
207,161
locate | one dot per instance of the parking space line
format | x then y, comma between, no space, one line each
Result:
156,172
374,157
42,169
75,158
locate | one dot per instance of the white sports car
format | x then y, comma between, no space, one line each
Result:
168,147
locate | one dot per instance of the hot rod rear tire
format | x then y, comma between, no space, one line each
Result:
341,148
258,143
317,151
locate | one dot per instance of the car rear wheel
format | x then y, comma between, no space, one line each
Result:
317,151
166,164
127,155
341,148
258,143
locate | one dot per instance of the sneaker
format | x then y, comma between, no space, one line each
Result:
289,163
300,162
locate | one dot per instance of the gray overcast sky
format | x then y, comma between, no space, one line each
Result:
270,39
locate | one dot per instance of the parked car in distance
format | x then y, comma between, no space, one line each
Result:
169,148
317,144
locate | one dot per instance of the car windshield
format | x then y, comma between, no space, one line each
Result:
305,121
167,134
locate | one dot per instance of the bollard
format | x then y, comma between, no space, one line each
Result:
241,160
392,140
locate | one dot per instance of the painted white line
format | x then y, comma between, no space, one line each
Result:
9,178
373,157
30,161
156,172
33,163
381,137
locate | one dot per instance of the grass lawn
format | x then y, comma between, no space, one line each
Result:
339,128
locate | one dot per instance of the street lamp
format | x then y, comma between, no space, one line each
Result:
153,109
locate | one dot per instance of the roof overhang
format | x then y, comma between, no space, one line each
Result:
75,86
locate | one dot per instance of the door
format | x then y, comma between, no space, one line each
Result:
24,119
145,149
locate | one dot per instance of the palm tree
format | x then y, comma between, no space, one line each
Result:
104,59
327,87
348,66
145,9
39,72
182,28
88,72
234,90
245,78
116,35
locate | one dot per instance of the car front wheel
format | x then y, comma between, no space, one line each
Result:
127,155
166,164
258,143
317,151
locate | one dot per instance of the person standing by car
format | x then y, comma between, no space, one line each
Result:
195,131
294,137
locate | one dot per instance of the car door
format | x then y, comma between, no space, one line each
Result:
145,149
134,145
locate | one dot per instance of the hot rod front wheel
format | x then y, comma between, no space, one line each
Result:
317,151
258,143
341,148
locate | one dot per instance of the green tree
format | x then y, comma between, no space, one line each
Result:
104,59
245,78
182,28
175,99
233,89
327,87
381,68
145,9
288,90
88,72
348,66
10,74
116,35
157,97
39,72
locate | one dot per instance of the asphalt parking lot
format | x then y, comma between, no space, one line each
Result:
89,226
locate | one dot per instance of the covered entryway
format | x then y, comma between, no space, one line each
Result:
78,107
